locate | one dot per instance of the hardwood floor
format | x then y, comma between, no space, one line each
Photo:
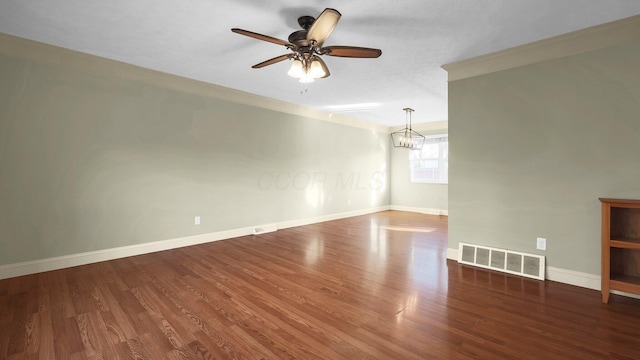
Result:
369,287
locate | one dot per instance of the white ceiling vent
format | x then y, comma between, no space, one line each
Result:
512,262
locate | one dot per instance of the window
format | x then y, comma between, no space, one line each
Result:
431,164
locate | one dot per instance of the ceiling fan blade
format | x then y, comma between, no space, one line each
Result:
351,51
324,67
276,59
323,26
263,37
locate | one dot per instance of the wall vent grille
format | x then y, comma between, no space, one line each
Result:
263,229
512,262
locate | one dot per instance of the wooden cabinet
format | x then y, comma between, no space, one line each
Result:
620,246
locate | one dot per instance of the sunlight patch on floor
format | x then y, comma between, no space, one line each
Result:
407,228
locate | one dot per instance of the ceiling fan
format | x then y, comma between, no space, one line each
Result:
307,46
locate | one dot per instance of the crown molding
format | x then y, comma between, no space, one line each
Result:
38,52
577,42
442,126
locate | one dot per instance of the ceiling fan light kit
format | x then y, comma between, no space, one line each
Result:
307,49
307,70
407,138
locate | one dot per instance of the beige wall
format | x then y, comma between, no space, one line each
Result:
420,197
537,145
90,160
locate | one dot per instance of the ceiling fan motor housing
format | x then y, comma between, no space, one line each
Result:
299,38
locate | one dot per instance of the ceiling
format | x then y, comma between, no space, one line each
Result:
193,39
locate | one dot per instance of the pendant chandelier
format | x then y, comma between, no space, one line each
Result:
407,138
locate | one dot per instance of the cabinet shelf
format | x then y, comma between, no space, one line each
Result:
625,243
635,280
620,246
629,284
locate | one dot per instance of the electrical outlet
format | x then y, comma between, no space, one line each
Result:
541,244
196,221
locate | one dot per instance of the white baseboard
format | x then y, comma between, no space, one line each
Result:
565,276
323,218
60,262
577,278
571,277
452,254
427,211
